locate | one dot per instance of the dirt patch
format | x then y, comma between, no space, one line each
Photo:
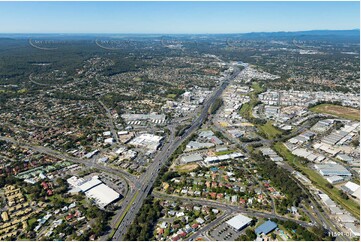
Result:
187,168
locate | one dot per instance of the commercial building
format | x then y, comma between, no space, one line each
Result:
148,141
266,228
102,195
137,118
239,222
95,189
215,159
191,158
194,145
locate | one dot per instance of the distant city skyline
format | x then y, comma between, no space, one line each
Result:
176,17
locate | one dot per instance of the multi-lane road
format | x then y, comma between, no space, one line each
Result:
148,178
141,186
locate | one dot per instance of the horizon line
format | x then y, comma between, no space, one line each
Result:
156,33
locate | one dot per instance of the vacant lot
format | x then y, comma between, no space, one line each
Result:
187,167
339,111
269,130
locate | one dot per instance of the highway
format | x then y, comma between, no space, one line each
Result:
139,188
148,178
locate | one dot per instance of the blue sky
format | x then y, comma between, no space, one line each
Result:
175,17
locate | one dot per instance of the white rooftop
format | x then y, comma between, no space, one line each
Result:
89,184
102,194
352,186
239,221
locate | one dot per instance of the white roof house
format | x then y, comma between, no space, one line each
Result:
239,222
107,133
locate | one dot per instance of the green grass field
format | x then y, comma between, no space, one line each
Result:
257,88
269,130
172,96
31,221
318,180
339,111
226,152
246,109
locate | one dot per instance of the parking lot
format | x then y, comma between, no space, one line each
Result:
223,232
116,183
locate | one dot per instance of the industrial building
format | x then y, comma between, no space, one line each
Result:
352,188
323,125
331,169
334,179
345,158
239,222
334,137
271,154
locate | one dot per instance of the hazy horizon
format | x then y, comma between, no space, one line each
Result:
234,33
175,17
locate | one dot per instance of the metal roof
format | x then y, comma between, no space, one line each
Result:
192,158
266,227
239,221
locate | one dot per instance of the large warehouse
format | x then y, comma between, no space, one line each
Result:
95,189
331,169
239,222
191,158
147,141
102,195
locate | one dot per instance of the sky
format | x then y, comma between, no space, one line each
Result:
176,17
